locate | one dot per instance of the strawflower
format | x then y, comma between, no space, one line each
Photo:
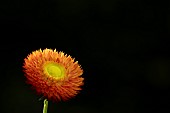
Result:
54,75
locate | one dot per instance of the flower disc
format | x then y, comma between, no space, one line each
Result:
54,69
52,74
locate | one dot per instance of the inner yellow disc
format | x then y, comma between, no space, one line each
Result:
54,70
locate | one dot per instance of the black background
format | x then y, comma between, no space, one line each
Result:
122,46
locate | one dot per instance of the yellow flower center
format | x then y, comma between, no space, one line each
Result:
55,70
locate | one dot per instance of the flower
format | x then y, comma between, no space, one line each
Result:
54,75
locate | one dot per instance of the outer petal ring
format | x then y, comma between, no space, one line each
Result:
53,74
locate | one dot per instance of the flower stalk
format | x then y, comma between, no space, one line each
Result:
45,106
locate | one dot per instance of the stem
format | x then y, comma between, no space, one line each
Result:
45,106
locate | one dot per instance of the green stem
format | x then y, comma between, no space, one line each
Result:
45,106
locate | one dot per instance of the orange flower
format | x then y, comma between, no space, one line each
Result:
53,74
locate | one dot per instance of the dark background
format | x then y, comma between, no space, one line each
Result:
122,45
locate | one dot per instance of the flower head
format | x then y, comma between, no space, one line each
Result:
53,74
